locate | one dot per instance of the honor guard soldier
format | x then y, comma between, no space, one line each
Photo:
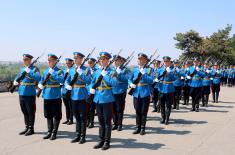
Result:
186,87
104,99
142,92
165,79
67,101
206,82
178,83
79,95
156,103
52,96
91,107
195,75
27,93
215,83
119,91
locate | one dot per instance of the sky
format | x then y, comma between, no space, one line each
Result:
59,26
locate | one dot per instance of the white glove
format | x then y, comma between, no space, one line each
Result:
67,70
68,87
27,69
104,72
118,70
188,77
79,70
156,80
182,77
218,71
187,69
142,71
16,83
92,71
177,69
132,85
208,71
51,71
197,68
40,86
92,91
211,78
168,69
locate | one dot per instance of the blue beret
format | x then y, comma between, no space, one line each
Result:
195,59
142,55
27,56
68,59
105,54
92,59
52,56
78,53
176,61
166,58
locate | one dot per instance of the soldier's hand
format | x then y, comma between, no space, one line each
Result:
118,70
15,83
104,72
132,85
68,87
27,69
92,91
51,71
40,86
188,77
142,71
79,71
168,69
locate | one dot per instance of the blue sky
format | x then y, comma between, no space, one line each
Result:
56,26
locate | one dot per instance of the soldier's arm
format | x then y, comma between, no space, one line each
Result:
58,76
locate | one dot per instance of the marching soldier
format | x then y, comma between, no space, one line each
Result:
156,103
79,95
119,92
104,99
91,107
142,92
67,101
166,78
27,93
195,75
215,84
52,96
186,87
230,76
206,85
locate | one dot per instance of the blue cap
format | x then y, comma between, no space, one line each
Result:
68,59
27,56
176,61
196,59
105,54
166,58
142,55
92,59
52,56
78,53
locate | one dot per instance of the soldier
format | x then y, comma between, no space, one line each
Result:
156,103
141,95
79,95
215,84
104,99
27,93
52,96
230,76
178,83
166,78
91,107
119,92
206,85
186,87
67,101
195,75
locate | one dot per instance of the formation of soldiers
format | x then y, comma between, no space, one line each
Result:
101,86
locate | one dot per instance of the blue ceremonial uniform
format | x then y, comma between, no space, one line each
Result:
206,82
215,86
178,83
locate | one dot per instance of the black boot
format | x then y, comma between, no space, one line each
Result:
65,122
91,119
26,122
168,113
177,104
213,96
193,105
30,131
207,99
24,131
31,125
50,128
107,138
197,105
137,130
55,129
163,115
120,118
217,97
101,136
143,123
70,122
115,121
83,133
203,100
78,131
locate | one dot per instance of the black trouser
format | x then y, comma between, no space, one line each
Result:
186,90
195,93
118,108
230,82
105,114
28,108
166,101
80,109
68,109
156,103
53,113
91,112
215,88
141,106
205,95
177,97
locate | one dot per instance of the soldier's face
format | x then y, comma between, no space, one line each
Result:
206,65
51,62
78,60
167,63
196,63
118,62
104,61
91,64
69,64
142,61
216,67
27,61
176,65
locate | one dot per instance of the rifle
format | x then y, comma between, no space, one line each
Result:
23,74
128,59
100,78
47,77
76,75
137,80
